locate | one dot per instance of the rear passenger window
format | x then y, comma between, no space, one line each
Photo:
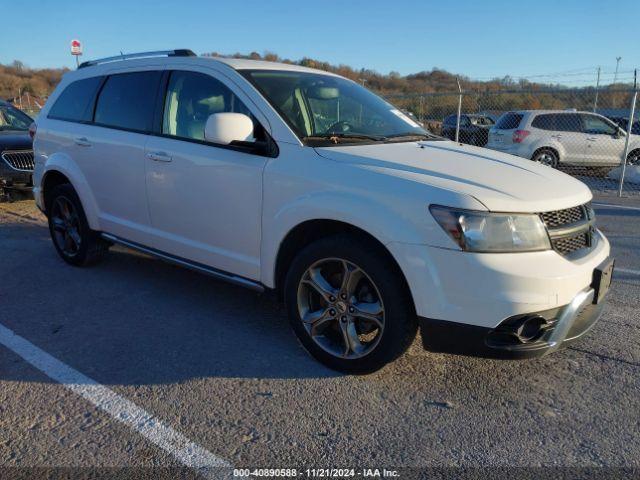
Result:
75,104
509,121
127,101
568,122
544,122
191,98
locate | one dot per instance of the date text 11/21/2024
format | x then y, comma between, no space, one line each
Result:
317,472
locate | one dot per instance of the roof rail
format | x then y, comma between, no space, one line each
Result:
181,52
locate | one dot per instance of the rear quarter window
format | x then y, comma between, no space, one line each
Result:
127,101
509,121
75,103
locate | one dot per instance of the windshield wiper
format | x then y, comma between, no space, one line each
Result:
336,137
424,136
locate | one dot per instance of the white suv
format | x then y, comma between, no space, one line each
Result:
281,177
563,137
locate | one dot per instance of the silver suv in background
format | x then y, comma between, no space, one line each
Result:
561,137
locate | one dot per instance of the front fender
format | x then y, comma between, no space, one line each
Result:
378,220
62,163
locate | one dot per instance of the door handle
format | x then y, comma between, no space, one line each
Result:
591,139
82,141
558,137
159,157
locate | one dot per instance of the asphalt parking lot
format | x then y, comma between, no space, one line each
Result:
215,367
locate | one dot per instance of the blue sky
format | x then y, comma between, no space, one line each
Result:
478,38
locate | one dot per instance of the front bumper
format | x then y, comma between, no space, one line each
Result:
565,325
10,177
484,289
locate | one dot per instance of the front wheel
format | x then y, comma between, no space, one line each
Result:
349,305
633,158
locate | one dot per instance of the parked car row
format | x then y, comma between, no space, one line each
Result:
474,128
623,123
16,152
567,138
551,137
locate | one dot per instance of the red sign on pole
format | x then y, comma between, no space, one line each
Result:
76,47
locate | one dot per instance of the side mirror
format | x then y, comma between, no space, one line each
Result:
224,128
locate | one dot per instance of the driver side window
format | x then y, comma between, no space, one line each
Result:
191,97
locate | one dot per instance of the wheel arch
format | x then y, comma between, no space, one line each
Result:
632,150
61,169
554,148
309,231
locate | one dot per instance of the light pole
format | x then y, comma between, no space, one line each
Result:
615,75
595,103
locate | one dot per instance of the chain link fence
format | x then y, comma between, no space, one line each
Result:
582,132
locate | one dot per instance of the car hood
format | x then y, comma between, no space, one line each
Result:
14,140
500,181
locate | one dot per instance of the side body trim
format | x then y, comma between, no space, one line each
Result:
198,267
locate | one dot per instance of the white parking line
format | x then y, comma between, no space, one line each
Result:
118,407
612,205
627,271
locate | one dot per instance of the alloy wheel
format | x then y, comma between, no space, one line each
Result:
66,226
341,308
546,158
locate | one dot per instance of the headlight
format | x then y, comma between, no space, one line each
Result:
476,231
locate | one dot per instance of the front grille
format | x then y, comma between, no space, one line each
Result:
21,160
571,244
559,218
570,229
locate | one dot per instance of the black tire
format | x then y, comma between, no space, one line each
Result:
546,156
633,158
400,321
92,248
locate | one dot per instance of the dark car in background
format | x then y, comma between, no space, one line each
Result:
623,123
474,128
16,151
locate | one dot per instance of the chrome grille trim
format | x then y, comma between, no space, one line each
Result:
571,229
19,160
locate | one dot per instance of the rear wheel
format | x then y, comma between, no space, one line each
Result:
74,241
349,305
546,156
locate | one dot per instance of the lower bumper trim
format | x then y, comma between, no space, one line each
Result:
570,323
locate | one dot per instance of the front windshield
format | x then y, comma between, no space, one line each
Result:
13,119
323,108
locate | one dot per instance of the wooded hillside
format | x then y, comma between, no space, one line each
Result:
497,94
